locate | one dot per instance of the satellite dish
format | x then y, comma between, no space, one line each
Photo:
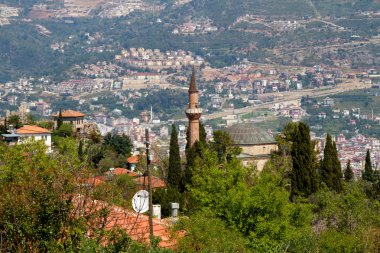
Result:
140,201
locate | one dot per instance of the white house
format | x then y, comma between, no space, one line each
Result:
30,132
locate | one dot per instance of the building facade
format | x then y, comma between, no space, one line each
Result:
74,118
29,133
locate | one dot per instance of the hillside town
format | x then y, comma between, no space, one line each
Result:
7,13
157,60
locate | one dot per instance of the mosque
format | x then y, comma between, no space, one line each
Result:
256,144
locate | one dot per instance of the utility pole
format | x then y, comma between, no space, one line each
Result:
148,160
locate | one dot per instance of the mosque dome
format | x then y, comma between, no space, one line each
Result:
248,134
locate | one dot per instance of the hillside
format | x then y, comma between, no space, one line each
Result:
288,32
225,12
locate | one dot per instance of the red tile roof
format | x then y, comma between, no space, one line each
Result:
70,114
122,171
156,182
134,224
133,159
92,181
30,129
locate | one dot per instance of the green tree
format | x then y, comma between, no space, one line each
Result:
202,134
192,154
224,146
3,128
347,221
174,169
368,174
209,234
348,173
121,144
65,130
80,150
60,119
15,121
262,213
95,137
304,179
330,168
165,196
40,201
285,138
30,119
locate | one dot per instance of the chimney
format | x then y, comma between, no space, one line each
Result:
175,207
157,211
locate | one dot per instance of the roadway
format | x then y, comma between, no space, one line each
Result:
284,97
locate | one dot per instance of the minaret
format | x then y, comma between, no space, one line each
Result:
194,112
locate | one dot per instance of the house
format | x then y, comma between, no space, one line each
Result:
29,133
74,118
132,162
322,115
328,102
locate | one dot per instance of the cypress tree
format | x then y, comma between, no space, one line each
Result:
60,119
202,134
303,176
348,173
368,171
330,169
174,170
80,151
338,175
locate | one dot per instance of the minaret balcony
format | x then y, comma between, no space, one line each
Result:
194,111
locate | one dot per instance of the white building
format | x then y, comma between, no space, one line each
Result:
30,132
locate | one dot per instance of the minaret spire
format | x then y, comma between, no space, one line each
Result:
193,85
194,112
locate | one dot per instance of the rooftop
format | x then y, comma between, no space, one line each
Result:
70,114
133,159
156,182
135,225
30,129
122,171
248,134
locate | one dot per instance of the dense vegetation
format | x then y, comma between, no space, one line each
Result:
230,208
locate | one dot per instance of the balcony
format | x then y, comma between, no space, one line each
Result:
194,111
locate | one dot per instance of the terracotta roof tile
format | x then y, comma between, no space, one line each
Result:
30,129
135,225
133,159
92,181
70,114
122,171
156,182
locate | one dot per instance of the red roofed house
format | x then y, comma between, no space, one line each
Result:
74,118
156,182
121,171
132,162
29,132
134,224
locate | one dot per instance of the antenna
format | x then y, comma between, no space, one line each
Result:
148,160
140,201
151,114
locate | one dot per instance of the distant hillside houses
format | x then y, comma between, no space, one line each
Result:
155,59
353,149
